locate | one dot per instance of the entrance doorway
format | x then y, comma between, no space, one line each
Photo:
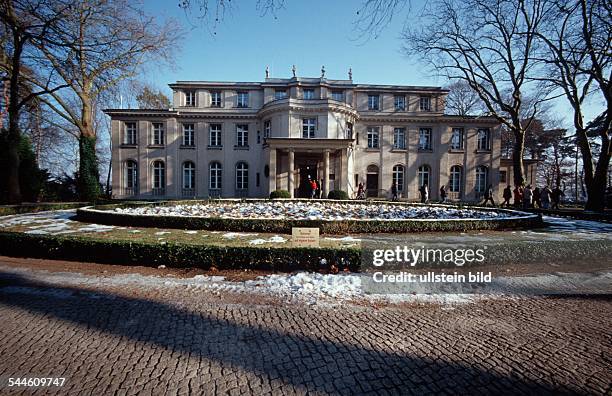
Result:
308,171
372,181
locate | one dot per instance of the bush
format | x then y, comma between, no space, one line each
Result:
280,194
338,194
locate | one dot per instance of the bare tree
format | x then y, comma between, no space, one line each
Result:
576,50
98,44
462,100
489,44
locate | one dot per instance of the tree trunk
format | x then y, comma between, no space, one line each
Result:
88,181
596,186
517,157
14,135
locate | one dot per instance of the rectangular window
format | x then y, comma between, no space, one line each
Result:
502,176
189,135
400,102
158,134
349,130
243,99
399,138
242,135
309,126
338,95
457,139
425,139
373,102
373,133
130,133
280,94
215,99
425,103
308,93
190,98
214,135
267,129
484,139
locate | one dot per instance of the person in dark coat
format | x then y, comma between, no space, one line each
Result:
556,197
488,196
537,197
507,196
424,190
443,194
393,191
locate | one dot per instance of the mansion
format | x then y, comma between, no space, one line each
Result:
247,139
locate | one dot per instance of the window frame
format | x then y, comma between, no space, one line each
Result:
242,135
190,98
478,181
217,178
424,103
218,134
129,132
131,173
429,146
396,105
188,127
461,145
373,137
242,176
192,175
158,181
309,128
267,129
455,179
282,92
158,137
240,99
398,176
483,134
424,175
337,95
216,99
402,141
374,102
311,93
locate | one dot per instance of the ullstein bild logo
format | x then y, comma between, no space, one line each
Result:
411,256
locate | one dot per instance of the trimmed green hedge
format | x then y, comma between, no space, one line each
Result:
41,207
284,226
284,259
280,194
338,194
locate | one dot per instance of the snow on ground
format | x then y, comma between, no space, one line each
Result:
274,239
314,288
314,210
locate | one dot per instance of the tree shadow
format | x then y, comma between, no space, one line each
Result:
316,363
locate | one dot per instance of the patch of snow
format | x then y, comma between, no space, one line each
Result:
162,232
274,239
234,235
190,232
344,239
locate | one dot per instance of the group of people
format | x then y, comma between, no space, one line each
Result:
528,198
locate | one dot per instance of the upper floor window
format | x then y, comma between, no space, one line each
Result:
425,139
373,133
190,98
349,130
158,134
399,138
214,135
267,129
129,136
309,93
280,94
424,103
242,135
309,126
400,102
373,102
338,95
215,99
457,139
189,135
484,139
243,99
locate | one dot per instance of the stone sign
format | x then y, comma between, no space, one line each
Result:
305,237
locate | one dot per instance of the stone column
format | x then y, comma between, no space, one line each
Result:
272,173
343,170
290,173
325,173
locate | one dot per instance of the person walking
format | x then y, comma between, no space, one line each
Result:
443,194
488,196
313,188
393,191
424,190
556,197
545,197
518,196
507,196
537,197
360,191
527,197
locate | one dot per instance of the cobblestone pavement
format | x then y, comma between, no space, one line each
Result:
134,340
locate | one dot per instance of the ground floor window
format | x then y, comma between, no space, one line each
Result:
159,178
424,173
455,179
398,177
242,176
131,177
214,173
482,175
189,175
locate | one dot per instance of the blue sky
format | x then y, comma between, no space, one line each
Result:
307,33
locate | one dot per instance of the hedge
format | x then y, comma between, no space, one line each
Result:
105,216
7,210
280,194
338,194
180,255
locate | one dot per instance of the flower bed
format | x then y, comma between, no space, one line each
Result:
331,217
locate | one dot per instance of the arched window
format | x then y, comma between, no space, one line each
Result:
242,176
482,178
455,179
214,173
398,177
131,177
159,178
424,173
189,175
